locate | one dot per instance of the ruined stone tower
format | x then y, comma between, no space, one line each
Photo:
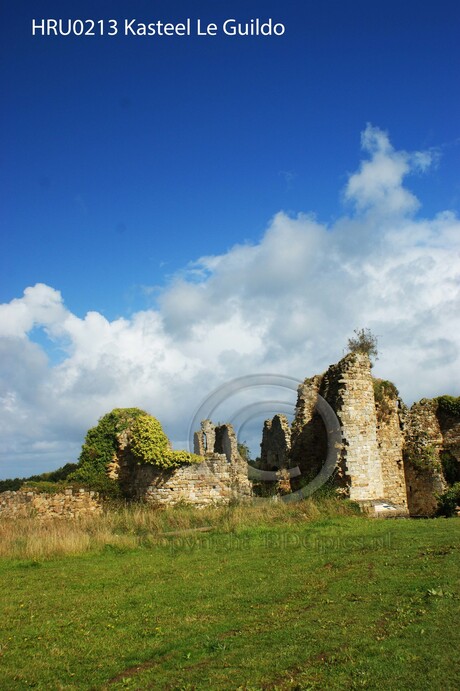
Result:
370,465
389,455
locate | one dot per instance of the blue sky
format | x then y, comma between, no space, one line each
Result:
127,160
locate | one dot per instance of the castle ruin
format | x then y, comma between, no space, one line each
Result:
390,455
390,459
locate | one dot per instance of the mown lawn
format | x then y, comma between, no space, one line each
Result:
334,603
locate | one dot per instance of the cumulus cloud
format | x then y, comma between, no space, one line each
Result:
377,186
286,304
39,306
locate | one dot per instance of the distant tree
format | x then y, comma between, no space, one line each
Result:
58,475
11,484
364,342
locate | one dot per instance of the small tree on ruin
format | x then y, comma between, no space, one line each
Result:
364,342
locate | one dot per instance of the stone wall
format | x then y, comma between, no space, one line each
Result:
222,477
348,388
422,464
275,448
390,442
215,481
370,464
388,454
308,435
67,504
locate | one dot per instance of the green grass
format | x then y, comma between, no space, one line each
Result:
338,602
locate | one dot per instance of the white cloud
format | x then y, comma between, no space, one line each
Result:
377,186
40,305
286,304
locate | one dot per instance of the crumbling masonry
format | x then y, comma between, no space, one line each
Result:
390,458
389,455
222,477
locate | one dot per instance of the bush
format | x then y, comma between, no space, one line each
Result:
100,448
244,451
149,444
448,501
385,392
11,484
449,405
364,342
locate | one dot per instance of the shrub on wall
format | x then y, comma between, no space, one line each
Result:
147,442
100,449
364,342
422,454
385,394
449,405
448,502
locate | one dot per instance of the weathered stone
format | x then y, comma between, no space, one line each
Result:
215,481
348,388
276,444
390,459
390,441
68,504
308,437
422,463
221,477
388,454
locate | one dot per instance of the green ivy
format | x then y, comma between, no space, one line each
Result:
177,458
422,455
100,448
385,392
147,442
449,404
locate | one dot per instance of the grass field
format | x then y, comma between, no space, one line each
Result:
278,597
